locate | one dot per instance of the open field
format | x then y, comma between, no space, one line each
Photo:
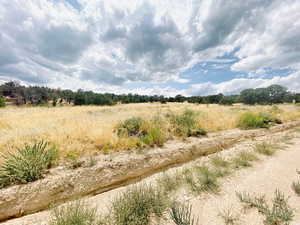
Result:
87,130
210,184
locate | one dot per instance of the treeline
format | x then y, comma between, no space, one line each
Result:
34,95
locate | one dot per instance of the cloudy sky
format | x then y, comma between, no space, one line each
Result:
189,47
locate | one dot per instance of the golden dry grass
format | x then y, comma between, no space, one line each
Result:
86,129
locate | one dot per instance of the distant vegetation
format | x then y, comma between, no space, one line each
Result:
34,95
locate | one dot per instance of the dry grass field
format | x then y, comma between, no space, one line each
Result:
86,130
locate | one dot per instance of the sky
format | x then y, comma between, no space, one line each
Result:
152,47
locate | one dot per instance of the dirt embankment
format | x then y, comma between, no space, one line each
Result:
116,170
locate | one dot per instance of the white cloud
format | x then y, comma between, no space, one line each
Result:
111,43
234,86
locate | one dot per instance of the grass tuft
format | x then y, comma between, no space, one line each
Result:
136,205
265,149
244,159
182,214
76,213
28,164
229,217
279,213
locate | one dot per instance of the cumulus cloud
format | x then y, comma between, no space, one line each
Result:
235,86
103,45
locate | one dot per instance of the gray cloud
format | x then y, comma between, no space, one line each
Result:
113,42
63,43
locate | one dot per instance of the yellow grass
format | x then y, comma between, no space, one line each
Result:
86,129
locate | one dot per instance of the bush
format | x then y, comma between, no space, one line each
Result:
136,205
74,214
251,120
130,127
2,102
28,164
154,137
185,124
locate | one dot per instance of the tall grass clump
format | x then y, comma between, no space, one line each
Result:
251,120
28,164
136,205
186,124
202,179
182,214
130,127
76,213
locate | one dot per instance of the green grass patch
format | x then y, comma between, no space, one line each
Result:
27,164
249,120
186,124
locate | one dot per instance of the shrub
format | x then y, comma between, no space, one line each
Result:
28,164
186,125
137,204
182,214
73,214
2,102
154,137
130,127
250,120
269,118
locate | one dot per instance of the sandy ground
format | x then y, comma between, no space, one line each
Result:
267,175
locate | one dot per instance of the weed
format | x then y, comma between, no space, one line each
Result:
287,139
154,137
206,180
185,124
130,127
182,214
218,161
244,159
28,164
73,160
296,187
169,183
76,213
229,217
137,204
279,213
251,120
265,149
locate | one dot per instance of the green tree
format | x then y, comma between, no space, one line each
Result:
2,102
